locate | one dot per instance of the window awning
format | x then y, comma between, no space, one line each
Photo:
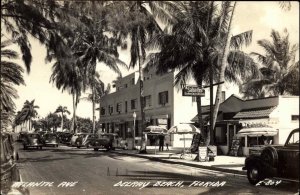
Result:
257,131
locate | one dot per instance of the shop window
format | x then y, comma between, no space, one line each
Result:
163,98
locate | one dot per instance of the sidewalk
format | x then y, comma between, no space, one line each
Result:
228,164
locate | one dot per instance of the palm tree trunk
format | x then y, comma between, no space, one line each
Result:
223,67
93,101
62,121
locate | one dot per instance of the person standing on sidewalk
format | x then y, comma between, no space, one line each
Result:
167,141
161,142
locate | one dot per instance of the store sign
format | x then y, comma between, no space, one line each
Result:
202,153
192,90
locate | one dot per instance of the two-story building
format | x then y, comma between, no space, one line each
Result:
164,105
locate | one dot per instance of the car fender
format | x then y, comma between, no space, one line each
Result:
266,168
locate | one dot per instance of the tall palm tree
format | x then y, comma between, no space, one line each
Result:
279,73
97,88
28,112
62,110
140,24
193,44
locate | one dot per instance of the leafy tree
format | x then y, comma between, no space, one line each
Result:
62,110
11,74
28,112
279,74
194,43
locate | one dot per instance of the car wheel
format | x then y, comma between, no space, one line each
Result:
254,174
270,156
96,149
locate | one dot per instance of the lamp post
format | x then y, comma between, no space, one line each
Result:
134,117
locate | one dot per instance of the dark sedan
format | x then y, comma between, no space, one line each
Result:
275,161
50,139
32,140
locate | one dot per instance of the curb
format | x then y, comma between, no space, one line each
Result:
183,163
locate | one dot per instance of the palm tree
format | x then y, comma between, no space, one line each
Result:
194,44
140,24
97,87
11,74
67,76
28,112
279,73
62,110
40,19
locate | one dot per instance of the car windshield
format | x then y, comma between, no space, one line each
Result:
294,139
34,136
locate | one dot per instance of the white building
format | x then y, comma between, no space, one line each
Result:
164,106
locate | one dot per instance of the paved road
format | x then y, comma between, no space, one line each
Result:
96,172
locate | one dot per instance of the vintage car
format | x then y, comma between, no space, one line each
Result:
50,139
32,140
275,161
21,136
9,170
82,140
109,141
65,138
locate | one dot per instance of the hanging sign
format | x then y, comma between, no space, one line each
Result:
193,90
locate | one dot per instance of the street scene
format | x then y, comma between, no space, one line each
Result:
149,97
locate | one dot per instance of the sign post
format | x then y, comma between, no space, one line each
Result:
134,117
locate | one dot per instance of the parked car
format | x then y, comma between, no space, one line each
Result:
21,136
65,138
9,170
109,141
32,140
275,161
82,139
50,139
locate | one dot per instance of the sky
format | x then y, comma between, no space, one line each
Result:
261,17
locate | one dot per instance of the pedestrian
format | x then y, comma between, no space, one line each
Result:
161,142
167,141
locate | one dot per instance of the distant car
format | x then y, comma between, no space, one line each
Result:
109,141
9,170
21,136
50,139
275,161
32,140
65,138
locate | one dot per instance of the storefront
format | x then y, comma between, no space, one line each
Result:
253,139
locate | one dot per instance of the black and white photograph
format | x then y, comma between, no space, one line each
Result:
149,97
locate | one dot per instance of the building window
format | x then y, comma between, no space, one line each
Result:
133,104
111,109
194,99
147,101
119,107
102,112
163,98
125,106
295,118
